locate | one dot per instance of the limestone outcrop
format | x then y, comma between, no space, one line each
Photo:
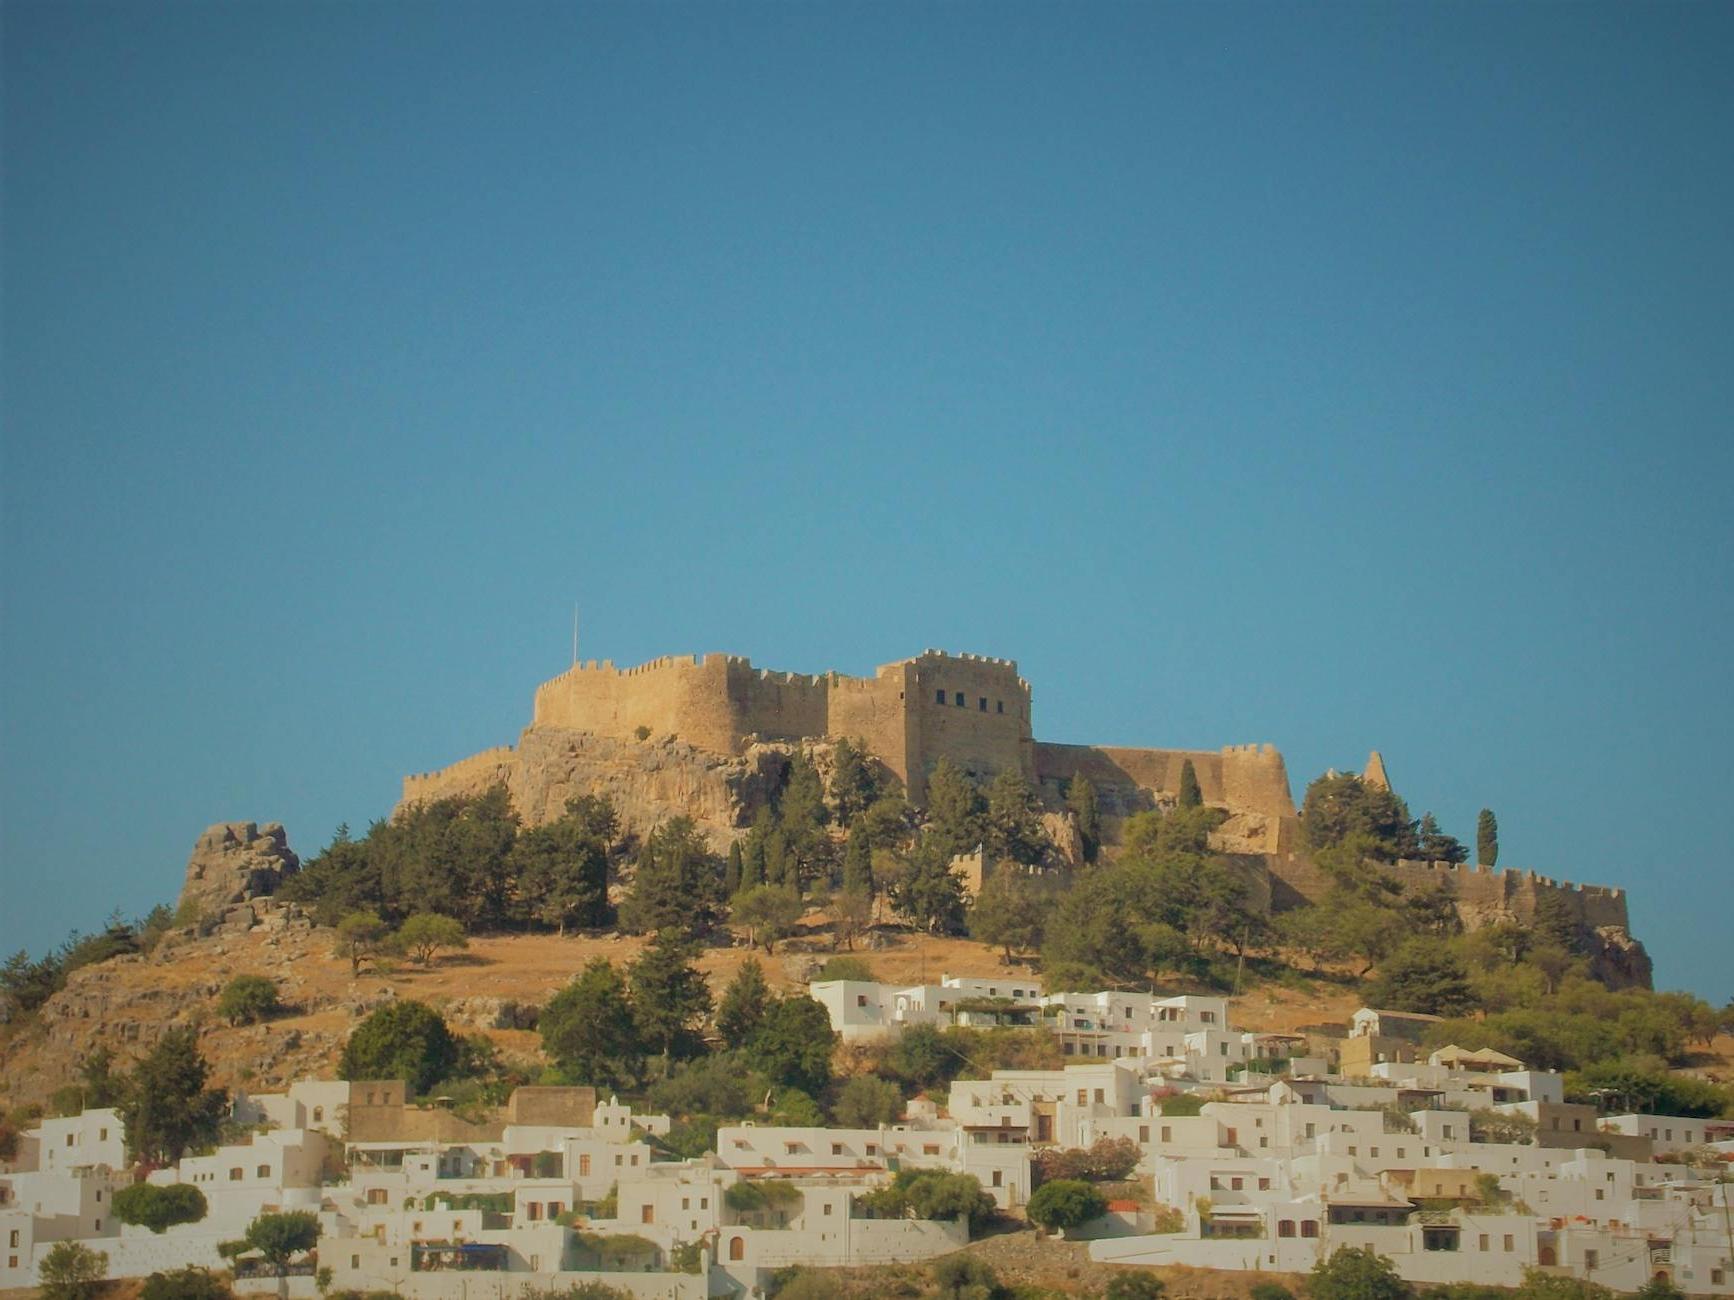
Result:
649,780
235,861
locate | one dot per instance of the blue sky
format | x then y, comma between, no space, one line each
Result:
1336,377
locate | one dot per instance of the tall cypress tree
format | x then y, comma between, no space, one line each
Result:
858,863
1081,799
1487,838
1190,795
732,872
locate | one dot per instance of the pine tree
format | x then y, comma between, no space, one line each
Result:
677,885
955,810
589,1030
930,894
854,786
743,1004
1191,796
1009,912
167,1107
1487,838
1013,830
1433,845
669,994
1081,799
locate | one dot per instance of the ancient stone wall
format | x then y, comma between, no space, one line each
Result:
874,710
679,695
467,776
1250,778
971,710
717,702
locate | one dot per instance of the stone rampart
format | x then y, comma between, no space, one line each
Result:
1250,778
970,710
467,776
1485,895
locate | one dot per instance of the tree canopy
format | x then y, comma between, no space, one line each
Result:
405,1040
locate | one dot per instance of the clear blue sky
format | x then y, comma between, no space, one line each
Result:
1338,377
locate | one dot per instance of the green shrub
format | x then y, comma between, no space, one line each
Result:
1143,1286
191,1283
72,1271
157,1208
248,1000
846,968
965,1277
1356,1273
1065,1203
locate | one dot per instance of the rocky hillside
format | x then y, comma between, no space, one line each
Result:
648,781
126,1003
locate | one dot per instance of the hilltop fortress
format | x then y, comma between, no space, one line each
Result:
709,736
972,710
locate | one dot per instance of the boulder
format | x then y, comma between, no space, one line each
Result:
233,862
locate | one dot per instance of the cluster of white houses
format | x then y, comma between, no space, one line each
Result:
1301,1146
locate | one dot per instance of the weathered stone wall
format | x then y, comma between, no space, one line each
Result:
719,702
874,710
1488,896
467,776
969,709
678,695
984,734
1242,778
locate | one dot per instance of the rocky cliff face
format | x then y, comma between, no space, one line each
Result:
235,861
649,781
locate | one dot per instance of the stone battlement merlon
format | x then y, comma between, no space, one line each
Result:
1518,876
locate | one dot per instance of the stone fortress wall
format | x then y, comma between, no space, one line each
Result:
722,703
975,712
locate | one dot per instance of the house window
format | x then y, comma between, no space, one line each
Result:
984,704
938,698
264,1171
738,1245
1285,1228
1167,1133
1591,1260
827,1207
1509,1243
959,700
102,1135
1481,1242
647,1214
1264,1184
583,1166
997,1177
685,1203
1143,1132
355,1261
860,999
836,1148
1001,704
1309,1228
235,1175
318,1114
930,1148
